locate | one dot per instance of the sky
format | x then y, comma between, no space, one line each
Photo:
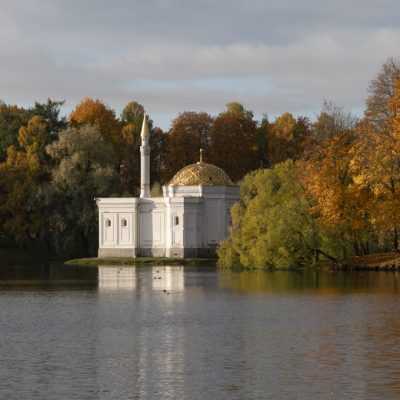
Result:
184,55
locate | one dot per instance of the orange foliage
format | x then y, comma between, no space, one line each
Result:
96,113
376,167
325,170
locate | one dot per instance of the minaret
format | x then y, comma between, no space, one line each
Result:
145,160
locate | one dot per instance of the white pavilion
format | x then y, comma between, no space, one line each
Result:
189,220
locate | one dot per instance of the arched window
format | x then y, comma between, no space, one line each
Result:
124,222
176,220
108,222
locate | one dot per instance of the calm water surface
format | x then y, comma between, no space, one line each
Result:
197,333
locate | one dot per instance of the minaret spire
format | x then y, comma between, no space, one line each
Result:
145,160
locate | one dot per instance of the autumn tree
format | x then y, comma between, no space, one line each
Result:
264,131
237,108
234,142
189,132
286,137
325,170
381,89
23,172
376,168
131,120
332,120
96,113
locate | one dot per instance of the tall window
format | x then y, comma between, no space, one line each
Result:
176,220
124,222
108,222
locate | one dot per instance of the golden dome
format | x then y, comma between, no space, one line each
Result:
201,173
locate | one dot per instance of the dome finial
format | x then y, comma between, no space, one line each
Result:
201,154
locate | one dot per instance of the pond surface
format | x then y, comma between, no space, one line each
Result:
197,333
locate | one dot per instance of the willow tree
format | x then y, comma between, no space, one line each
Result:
85,168
272,225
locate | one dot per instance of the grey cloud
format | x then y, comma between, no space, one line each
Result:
167,53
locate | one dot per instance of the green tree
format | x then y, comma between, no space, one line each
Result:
85,168
50,114
272,225
11,119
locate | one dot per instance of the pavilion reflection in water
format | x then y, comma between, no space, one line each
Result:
169,278
153,354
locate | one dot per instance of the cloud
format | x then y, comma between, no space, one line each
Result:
174,55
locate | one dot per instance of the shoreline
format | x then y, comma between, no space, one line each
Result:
371,262
141,261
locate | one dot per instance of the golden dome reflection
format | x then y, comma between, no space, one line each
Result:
201,173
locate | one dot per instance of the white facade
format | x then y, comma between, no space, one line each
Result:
188,221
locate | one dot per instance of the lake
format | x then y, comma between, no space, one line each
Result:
112,332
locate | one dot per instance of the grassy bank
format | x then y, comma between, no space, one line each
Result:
141,261
372,262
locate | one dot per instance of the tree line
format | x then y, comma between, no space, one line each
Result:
340,197
321,171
